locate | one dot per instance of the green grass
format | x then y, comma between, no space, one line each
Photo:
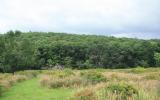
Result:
31,90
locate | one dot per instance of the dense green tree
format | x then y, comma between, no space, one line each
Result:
36,50
157,58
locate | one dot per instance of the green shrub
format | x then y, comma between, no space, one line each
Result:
101,70
93,77
121,90
138,70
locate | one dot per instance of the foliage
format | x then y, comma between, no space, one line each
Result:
38,50
157,58
93,77
123,90
138,70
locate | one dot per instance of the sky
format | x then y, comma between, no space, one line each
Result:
119,18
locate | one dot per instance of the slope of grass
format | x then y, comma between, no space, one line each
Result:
31,90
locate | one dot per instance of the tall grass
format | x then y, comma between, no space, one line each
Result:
95,84
67,78
8,80
55,82
84,94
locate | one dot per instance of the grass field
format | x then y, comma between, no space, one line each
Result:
31,90
93,84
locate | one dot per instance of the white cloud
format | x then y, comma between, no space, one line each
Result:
81,16
138,35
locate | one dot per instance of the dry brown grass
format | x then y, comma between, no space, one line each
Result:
55,82
85,94
147,87
123,76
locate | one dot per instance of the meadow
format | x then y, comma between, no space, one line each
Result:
90,84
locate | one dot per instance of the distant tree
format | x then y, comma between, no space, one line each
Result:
157,59
68,61
36,50
17,33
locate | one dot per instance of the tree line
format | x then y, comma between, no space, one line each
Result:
38,50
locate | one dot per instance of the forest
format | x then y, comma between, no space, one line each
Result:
44,50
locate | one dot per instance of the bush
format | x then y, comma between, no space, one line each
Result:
121,90
93,77
85,94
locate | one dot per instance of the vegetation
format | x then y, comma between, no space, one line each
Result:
157,58
138,70
121,84
122,91
1,89
84,94
93,77
54,82
37,50
31,90
45,66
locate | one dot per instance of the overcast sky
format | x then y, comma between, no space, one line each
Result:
120,18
